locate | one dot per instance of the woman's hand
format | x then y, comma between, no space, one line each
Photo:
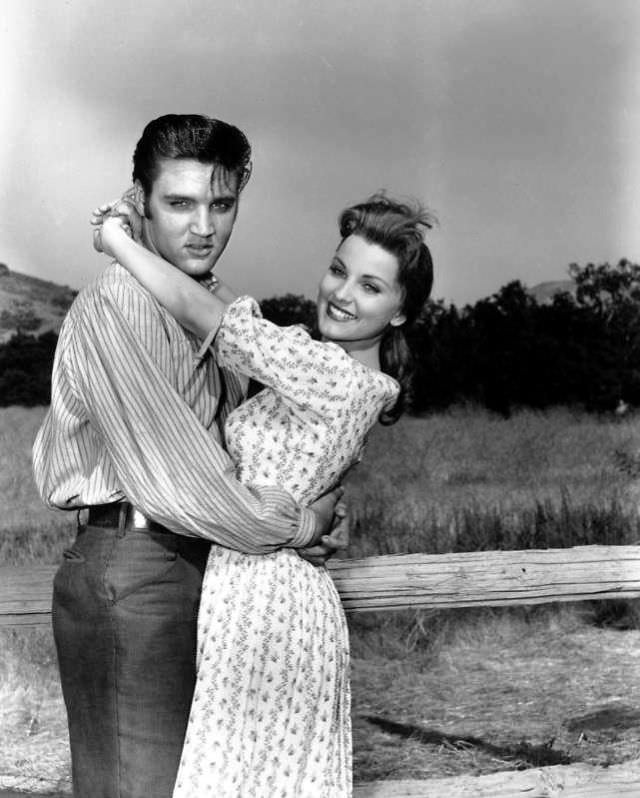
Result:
112,219
108,228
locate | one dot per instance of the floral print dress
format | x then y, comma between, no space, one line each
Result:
271,711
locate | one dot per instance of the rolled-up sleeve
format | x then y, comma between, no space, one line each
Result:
168,464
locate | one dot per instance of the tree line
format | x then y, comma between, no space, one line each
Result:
581,348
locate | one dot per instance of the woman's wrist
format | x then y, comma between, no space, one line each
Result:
119,242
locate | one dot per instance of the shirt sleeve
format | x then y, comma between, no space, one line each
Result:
308,374
168,464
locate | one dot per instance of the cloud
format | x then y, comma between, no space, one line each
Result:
515,121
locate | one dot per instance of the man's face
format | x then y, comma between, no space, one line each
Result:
191,211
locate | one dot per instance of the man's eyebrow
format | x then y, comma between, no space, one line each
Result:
218,197
176,196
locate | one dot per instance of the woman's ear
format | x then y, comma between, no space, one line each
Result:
398,320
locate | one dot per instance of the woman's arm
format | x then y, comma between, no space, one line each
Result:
190,303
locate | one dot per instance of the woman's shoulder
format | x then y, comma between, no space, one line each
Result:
365,383
383,381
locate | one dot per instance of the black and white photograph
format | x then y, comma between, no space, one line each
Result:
319,399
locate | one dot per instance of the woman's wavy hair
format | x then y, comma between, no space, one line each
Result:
399,228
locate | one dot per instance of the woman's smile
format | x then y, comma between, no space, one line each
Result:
339,314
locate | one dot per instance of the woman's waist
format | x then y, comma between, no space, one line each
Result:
284,561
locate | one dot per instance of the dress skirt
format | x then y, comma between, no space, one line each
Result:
271,711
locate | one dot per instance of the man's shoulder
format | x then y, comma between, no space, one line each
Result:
114,300
113,279
114,284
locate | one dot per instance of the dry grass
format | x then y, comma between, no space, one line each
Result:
427,483
29,532
33,735
500,696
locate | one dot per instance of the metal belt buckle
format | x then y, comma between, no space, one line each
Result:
138,520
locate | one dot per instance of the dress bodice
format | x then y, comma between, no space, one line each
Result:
309,424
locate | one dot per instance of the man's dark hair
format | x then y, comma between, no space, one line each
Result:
202,138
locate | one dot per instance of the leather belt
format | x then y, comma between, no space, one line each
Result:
122,515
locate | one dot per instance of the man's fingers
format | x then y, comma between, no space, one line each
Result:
334,542
340,509
316,555
316,561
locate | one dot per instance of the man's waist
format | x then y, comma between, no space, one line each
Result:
122,515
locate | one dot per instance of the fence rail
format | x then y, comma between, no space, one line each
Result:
401,581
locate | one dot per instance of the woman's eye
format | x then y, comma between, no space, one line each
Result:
336,269
371,288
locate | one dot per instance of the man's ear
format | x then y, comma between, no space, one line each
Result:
137,197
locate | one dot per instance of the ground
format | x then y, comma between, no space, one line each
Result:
500,695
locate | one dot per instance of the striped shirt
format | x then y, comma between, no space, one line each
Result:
134,415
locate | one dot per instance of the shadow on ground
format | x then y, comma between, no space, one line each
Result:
522,755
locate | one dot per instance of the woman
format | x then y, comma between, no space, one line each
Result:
271,709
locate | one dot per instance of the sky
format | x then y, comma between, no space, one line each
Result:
517,122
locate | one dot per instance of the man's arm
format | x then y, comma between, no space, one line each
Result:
167,463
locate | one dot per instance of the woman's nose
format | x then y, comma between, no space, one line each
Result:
343,292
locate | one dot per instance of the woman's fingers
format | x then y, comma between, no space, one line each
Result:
97,240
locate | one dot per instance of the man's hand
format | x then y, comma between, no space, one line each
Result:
337,539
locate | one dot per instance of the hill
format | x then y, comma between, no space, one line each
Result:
31,304
544,292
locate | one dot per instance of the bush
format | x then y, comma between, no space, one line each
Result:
25,369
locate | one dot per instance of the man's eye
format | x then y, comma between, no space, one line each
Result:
178,203
223,206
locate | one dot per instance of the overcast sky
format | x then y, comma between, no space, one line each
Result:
516,121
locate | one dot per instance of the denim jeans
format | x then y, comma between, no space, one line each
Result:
125,607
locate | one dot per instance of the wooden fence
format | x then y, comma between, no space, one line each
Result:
401,581
394,582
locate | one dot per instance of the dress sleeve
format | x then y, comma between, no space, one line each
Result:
168,464
308,374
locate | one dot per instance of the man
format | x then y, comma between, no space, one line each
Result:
133,434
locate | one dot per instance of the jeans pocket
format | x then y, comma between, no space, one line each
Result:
138,561
72,555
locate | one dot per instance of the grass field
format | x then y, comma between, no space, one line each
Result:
464,480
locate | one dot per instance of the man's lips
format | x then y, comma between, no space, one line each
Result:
199,250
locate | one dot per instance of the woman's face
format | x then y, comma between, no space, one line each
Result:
359,296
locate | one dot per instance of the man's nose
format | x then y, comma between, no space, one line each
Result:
202,222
